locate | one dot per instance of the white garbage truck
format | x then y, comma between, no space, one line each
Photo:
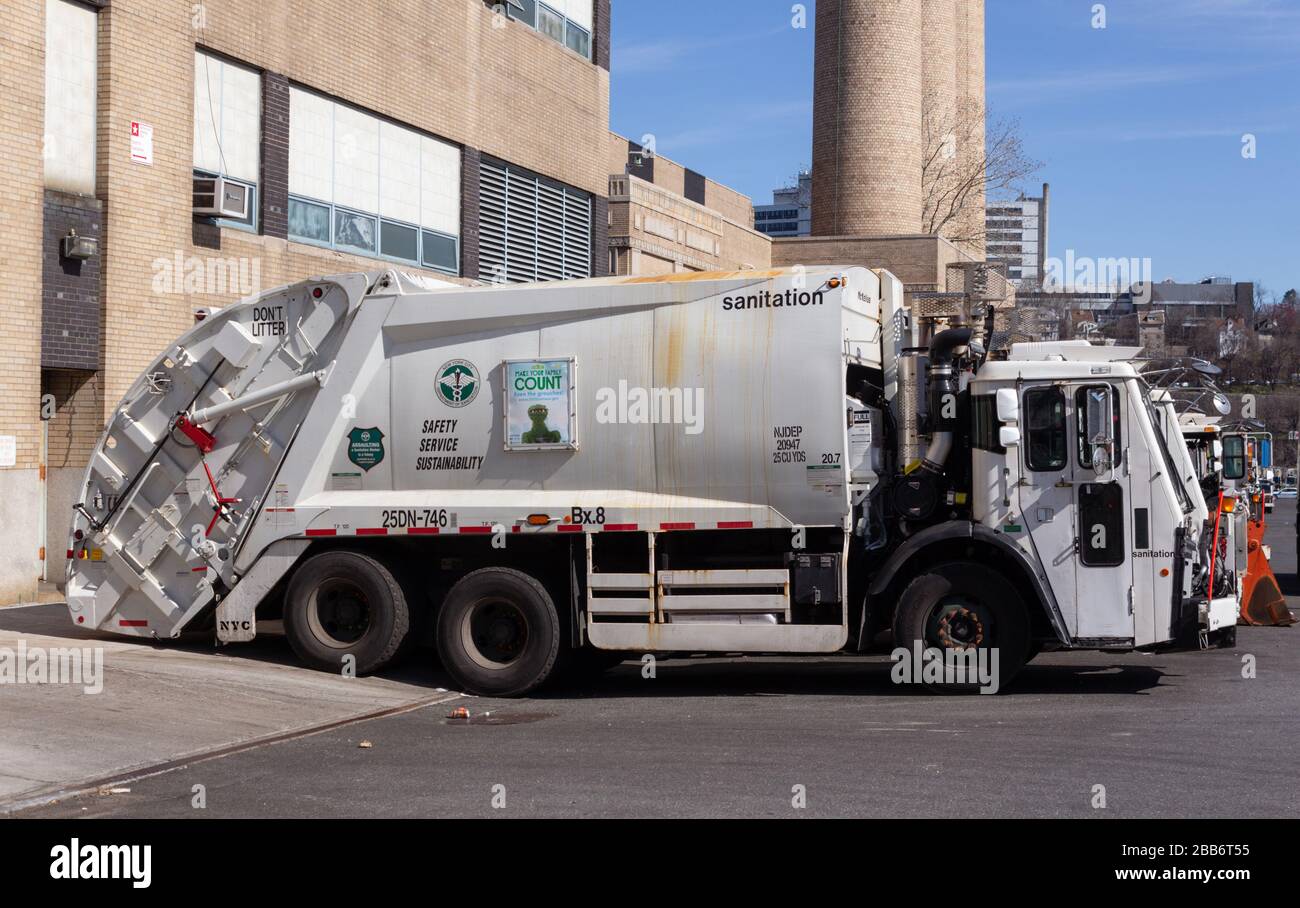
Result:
779,461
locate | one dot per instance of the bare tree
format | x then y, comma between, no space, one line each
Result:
966,160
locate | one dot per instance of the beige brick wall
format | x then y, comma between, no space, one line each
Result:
77,421
919,261
653,221
442,66
22,100
617,153
732,205
744,247
449,67
727,216
22,87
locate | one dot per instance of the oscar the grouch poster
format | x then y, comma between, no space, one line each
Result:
539,404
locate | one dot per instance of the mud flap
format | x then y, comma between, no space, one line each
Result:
237,612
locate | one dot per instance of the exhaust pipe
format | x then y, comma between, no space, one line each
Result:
943,382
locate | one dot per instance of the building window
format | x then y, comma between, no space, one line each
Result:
364,185
71,49
531,228
228,125
568,22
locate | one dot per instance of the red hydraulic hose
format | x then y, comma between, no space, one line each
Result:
1214,547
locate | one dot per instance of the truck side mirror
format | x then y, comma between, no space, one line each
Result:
1099,421
1008,405
1008,436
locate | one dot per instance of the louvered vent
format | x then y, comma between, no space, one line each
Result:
531,229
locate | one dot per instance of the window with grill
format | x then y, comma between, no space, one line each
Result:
531,228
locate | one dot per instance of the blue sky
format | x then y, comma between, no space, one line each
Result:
1139,125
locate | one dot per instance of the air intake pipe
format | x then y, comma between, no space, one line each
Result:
943,393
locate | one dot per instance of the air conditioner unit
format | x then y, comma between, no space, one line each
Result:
217,197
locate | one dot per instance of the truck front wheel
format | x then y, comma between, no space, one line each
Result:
965,609
498,633
342,604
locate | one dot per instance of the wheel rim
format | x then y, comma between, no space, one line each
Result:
338,613
494,632
959,623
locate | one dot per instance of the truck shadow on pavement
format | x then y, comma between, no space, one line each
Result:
756,676
267,648
855,677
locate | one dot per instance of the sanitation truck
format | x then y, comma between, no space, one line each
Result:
779,461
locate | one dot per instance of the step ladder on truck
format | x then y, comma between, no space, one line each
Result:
781,461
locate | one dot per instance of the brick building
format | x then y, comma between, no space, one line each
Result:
462,138
665,218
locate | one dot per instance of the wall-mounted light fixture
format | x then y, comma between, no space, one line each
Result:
79,247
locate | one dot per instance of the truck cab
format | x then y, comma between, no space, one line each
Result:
1077,466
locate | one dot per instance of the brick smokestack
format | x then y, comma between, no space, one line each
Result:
939,97
867,109
970,89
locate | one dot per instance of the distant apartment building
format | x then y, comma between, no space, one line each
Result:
668,219
1016,236
163,156
1193,313
790,213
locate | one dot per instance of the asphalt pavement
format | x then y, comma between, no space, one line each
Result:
1182,734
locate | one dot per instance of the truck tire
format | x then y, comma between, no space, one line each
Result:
962,605
342,604
498,633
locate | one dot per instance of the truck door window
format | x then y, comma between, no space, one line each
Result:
1234,457
1080,410
984,423
1101,524
1046,429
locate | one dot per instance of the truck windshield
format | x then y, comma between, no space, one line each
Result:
1184,500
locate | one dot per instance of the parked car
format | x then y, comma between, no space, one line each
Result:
1288,492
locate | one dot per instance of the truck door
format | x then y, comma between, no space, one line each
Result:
1046,492
1104,501
1074,512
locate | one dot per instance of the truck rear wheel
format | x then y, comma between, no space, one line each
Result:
965,607
342,604
498,633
